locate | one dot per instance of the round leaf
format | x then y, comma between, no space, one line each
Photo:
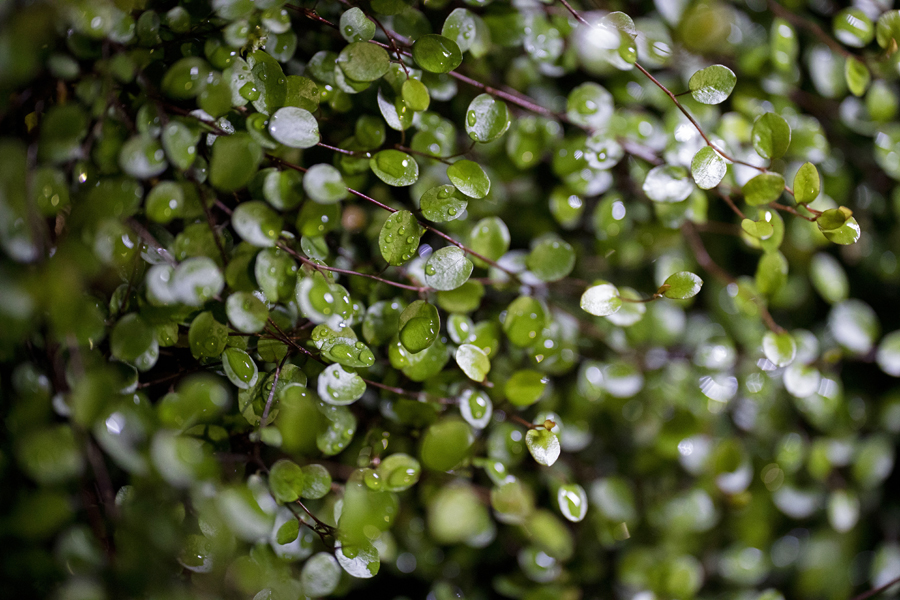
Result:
469,178
324,184
239,368
807,184
708,168
551,260
256,223
420,324
321,572
235,159
448,268
601,300
525,387
443,203
473,362
436,54
771,136
364,62
246,312
395,168
486,118
764,188
572,501
712,85
399,237
356,27
780,348
294,127
668,183
543,446
682,285
525,319
339,386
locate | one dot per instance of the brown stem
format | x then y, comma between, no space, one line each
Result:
708,264
793,211
343,151
265,416
730,203
877,590
522,421
317,266
425,154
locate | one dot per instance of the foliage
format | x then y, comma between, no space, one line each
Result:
441,299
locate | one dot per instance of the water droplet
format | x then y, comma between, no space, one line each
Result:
471,118
411,239
451,211
430,270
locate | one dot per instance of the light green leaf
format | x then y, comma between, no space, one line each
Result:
852,27
339,386
356,27
807,184
525,387
240,369
235,159
473,362
601,300
460,27
324,184
363,62
759,229
543,446
771,273
708,168
288,532
256,223
829,278
415,94
846,234
572,501
764,188
420,324
399,237
681,285
887,29
489,238
857,75
294,127
436,54
285,481
888,354
399,472
207,336
448,268
359,559
771,136
246,312
395,168
668,183
321,572
180,144
551,259
779,348
445,444
443,203
143,157
469,178
525,319
486,118
590,105
476,408
712,85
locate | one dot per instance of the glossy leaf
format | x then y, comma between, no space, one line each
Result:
473,362
708,168
399,237
443,203
420,324
294,127
543,446
682,285
469,178
712,85
807,184
601,300
448,268
779,348
764,188
486,118
667,183
771,136
395,168
436,54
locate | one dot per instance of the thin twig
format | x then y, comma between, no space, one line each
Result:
877,590
317,266
265,416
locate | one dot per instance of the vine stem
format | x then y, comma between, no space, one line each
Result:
318,267
265,416
713,268
878,590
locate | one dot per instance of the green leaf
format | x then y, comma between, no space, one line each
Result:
443,203
469,178
256,223
807,184
269,81
681,285
445,444
668,183
207,336
833,218
543,446
708,168
143,157
363,62
420,324
829,278
316,482
415,94
399,237
324,184
712,85
180,144
525,319
396,112
779,348
617,33
240,369
131,338
476,408
436,54
399,472
771,273
771,136
448,268
486,118
857,75
473,362
235,159
551,259
590,105
489,238
759,229
525,387
294,127
196,280
321,573
461,28
395,168
288,532
887,29
852,27
764,188
186,78
356,27
888,354
285,481
846,234
339,386
358,559
572,501
601,300
246,312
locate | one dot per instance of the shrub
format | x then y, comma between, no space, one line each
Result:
450,300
